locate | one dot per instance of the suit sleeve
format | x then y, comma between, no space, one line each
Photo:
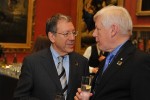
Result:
25,83
140,87
86,67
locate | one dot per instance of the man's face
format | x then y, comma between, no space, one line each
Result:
102,35
61,43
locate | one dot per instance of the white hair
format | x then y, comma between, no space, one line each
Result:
115,15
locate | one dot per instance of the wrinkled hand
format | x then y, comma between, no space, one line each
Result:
80,95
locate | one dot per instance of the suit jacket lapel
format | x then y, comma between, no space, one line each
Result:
117,63
50,68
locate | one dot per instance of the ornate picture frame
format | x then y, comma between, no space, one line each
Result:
84,38
143,8
17,22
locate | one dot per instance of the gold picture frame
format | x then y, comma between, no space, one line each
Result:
20,16
143,8
81,26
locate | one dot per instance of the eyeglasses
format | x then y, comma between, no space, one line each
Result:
66,34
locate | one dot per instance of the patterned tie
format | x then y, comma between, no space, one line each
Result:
62,75
108,61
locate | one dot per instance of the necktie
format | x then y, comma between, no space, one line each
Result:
108,61
62,75
97,80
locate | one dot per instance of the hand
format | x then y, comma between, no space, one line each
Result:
94,70
80,95
101,58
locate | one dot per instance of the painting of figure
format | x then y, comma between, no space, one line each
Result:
90,7
13,21
145,5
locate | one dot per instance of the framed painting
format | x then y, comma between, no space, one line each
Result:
85,24
143,8
16,23
141,37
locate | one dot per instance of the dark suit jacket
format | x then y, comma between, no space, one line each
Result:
39,79
127,77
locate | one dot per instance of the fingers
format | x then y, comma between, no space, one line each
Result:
78,97
82,95
75,98
79,90
95,70
85,95
91,94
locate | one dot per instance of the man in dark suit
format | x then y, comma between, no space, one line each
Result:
39,79
126,72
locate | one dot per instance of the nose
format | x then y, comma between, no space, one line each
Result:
72,37
94,33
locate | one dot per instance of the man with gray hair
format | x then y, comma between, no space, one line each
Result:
126,72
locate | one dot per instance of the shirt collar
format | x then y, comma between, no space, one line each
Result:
114,52
56,55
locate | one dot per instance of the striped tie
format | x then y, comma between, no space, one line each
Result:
62,75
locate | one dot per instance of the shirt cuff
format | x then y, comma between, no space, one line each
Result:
90,69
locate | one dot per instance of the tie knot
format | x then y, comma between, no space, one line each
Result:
60,59
108,61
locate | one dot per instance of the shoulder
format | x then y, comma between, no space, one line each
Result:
141,55
77,56
39,54
138,59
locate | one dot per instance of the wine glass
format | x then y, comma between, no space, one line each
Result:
86,83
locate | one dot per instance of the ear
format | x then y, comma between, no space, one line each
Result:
51,36
114,30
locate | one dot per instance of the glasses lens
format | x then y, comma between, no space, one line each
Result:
75,33
66,34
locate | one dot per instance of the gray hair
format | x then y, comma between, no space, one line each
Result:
51,24
116,15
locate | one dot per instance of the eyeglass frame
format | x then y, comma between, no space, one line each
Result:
66,34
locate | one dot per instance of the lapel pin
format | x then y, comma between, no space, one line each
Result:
76,63
119,63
